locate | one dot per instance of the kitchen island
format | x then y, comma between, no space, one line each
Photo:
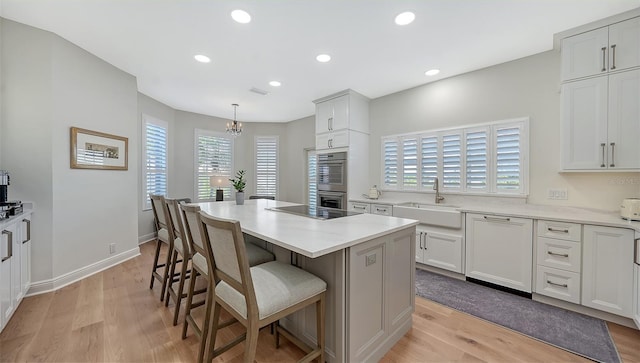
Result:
368,262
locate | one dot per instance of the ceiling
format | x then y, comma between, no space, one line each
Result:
156,40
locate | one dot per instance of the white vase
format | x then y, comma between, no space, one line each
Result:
239,198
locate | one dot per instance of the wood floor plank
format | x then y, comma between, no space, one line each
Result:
113,316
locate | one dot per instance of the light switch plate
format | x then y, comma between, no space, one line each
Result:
371,259
558,194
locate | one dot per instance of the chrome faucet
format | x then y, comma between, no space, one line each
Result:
436,187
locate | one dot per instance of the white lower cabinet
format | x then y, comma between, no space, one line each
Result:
359,207
15,264
561,284
499,250
607,269
382,209
636,295
438,249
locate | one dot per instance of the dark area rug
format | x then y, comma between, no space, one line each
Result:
577,333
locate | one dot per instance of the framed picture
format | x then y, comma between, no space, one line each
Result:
97,150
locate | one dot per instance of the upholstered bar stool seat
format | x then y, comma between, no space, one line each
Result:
258,255
277,286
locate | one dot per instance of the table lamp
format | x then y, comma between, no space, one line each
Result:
219,182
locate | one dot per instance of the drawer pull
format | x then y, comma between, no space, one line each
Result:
558,254
9,246
28,222
381,210
557,230
359,207
559,285
498,219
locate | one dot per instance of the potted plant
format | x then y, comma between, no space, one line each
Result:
238,184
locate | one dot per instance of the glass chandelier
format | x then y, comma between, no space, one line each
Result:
235,127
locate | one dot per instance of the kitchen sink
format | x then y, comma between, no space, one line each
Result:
442,215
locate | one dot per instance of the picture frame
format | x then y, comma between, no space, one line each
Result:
98,150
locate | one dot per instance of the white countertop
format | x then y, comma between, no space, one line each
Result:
533,211
307,236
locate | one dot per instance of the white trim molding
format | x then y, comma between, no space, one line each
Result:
41,287
146,238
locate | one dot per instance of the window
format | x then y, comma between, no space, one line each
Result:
154,150
213,157
490,158
312,183
267,165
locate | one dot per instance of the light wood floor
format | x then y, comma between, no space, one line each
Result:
113,316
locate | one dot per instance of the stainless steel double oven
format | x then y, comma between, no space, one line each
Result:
332,180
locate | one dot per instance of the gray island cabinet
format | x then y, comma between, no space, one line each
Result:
367,261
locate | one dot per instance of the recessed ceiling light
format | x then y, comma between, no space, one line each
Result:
202,58
323,58
275,84
241,16
432,72
405,18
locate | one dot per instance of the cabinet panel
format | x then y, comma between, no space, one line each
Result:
624,120
443,251
6,272
16,268
400,288
607,269
585,54
324,116
563,285
499,250
359,207
560,254
584,126
636,295
382,209
340,113
25,275
332,140
624,44
560,230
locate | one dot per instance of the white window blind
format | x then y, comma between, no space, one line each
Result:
476,160
487,158
410,163
390,163
312,183
267,165
214,157
451,161
429,160
155,171
508,163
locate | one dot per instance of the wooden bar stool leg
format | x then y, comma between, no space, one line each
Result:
183,276
251,344
172,272
215,320
155,261
192,287
166,272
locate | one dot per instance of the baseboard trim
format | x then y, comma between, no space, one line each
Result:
44,286
146,238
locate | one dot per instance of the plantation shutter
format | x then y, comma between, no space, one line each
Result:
508,160
214,157
390,160
312,183
266,165
155,159
410,163
429,161
476,160
451,161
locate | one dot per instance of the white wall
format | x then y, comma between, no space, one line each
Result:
525,87
300,135
49,86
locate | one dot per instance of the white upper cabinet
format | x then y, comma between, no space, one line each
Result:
601,123
603,50
342,111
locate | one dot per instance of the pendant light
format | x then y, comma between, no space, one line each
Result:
235,127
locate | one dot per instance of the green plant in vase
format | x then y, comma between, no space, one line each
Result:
239,184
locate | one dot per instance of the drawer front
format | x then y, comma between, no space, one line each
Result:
563,285
383,209
565,255
359,207
560,230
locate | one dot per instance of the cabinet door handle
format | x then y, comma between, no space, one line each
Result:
558,254
28,222
420,241
497,219
557,230
604,59
559,285
603,145
10,246
613,155
330,123
426,248
613,60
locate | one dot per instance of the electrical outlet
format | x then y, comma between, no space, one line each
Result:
112,248
371,259
558,194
